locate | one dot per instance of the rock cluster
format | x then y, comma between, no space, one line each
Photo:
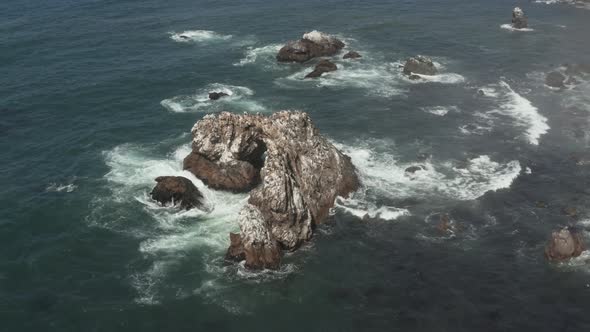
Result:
217,95
313,44
295,172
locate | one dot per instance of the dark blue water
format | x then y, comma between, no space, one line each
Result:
97,98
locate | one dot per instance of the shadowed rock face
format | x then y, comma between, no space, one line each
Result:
177,190
420,65
519,21
323,66
351,55
312,45
299,174
555,79
564,244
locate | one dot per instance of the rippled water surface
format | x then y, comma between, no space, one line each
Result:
98,98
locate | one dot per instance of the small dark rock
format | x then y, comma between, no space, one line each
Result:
217,95
481,92
541,204
414,169
414,77
351,55
323,66
177,190
555,79
570,211
420,65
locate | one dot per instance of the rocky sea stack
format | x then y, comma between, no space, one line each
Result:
564,244
519,21
313,44
323,66
295,175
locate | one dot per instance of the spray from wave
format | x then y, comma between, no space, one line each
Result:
198,36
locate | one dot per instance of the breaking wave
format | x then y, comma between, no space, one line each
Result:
511,28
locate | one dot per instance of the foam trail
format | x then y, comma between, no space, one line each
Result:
198,36
239,99
264,55
509,27
440,110
524,113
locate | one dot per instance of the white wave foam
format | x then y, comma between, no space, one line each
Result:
58,187
168,233
509,27
378,79
523,112
444,78
238,99
262,55
198,36
440,110
381,172
362,209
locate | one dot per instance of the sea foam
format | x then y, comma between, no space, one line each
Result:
238,99
198,36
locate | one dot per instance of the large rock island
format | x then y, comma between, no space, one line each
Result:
313,44
294,175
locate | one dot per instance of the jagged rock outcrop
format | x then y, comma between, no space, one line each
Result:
555,79
420,65
177,190
564,244
299,175
217,95
313,44
519,21
351,55
323,66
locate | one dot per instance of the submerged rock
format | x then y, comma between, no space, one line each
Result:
323,66
217,95
177,190
519,21
419,65
298,172
414,169
555,79
351,55
564,244
313,44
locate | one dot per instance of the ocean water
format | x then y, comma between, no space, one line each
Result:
97,98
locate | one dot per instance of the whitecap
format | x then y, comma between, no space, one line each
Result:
264,56
381,172
198,36
58,187
362,209
440,110
444,78
523,112
239,99
511,28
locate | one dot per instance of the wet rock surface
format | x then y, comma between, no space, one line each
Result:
419,65
177,190
323,66
313,44
519,20
564,244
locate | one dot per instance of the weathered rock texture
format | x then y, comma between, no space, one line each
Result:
177,190
519,21
564,244
323,66
420,65
297,176
313,44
